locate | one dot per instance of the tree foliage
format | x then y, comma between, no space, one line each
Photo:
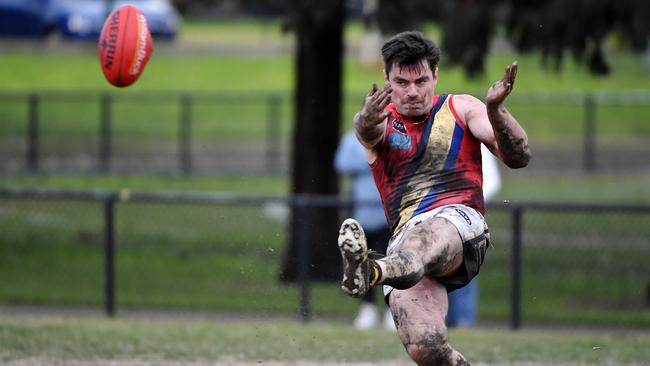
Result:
553,27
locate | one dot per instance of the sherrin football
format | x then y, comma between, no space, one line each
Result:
124,45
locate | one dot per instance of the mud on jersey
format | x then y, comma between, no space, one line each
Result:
424,165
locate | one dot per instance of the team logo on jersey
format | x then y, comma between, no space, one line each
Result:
399,126
464,215
399,142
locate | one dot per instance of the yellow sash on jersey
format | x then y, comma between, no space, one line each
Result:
420,183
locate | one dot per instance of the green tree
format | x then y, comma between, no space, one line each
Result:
553,27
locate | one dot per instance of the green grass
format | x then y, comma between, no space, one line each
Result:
258,184
196,73
516,185
245,117
52,340
172,67
24,71
571,268
213,120
181,256
573,187
189,256
233,31
178,71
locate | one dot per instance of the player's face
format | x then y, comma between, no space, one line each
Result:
413,88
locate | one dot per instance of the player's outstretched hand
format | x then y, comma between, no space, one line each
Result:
502,88
373,111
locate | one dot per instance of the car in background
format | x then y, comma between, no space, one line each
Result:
23,17
80,19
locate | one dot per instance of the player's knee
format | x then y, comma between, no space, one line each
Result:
410,269
430,349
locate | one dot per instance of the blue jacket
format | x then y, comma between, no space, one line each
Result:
351,160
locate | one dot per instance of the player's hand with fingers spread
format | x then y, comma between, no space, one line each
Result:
512,141
373,111
502,88
369,123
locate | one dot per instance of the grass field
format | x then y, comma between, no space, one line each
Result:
181,71
517,185
202,341
177,67
187,256
23,71
589,269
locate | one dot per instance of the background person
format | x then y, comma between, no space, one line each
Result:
351,160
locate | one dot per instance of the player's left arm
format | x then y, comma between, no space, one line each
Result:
494,125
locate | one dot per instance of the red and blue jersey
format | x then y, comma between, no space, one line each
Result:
424,165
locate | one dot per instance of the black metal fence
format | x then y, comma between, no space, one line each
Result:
248,133
555,262
178,132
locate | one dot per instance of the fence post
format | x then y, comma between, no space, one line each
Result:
274,102
109,255
301,209
32,133
105,133
589,159
185,135
515,295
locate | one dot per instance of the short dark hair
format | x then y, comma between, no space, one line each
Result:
408,49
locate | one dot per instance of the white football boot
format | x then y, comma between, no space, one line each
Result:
356,266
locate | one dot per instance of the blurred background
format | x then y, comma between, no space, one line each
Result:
209,184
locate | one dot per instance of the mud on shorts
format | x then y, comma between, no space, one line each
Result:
473,232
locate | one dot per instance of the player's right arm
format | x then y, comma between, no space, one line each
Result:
370,122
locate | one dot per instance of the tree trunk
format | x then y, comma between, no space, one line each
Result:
319,34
